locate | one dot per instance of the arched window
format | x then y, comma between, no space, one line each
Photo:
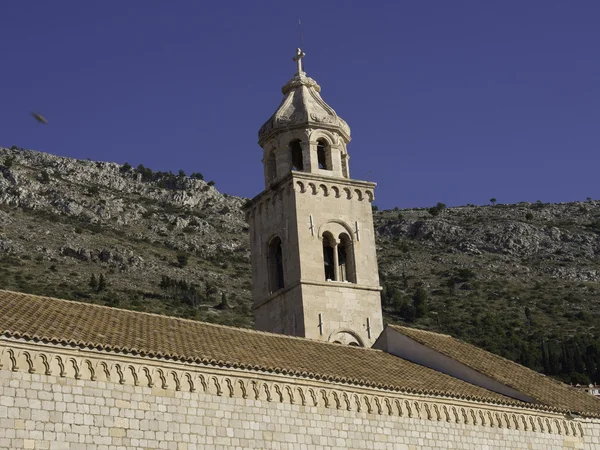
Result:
346,259
297,161
275,263
338,258
329,256
323,155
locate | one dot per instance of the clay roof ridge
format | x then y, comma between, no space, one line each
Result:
494,355
421,330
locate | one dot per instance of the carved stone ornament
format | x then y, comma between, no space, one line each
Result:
303,107
197,379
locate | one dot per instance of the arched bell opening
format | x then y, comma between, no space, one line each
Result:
324,155
329,256
338,258
297,157
345,251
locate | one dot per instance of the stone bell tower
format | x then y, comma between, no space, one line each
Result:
314,267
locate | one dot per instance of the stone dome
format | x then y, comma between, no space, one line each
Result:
303,107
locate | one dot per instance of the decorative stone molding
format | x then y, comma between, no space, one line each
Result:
97,366
304,183
302,107
336,190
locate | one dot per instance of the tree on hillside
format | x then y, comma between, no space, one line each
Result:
145,172
182,259
493,201
451,285
93,282
224,303
101,283
45,177
209,290
407,312
8,162
404,280
420,302
437,209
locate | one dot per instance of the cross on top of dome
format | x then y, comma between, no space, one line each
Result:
298,58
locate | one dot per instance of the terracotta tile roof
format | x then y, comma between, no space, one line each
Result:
86,325
544,389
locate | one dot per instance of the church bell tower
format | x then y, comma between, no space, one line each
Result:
314,266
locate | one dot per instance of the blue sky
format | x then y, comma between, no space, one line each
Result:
455,101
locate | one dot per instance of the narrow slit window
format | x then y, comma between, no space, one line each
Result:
276,280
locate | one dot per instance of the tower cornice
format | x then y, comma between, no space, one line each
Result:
316,179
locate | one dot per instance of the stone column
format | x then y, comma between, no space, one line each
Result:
345,159
336,261
336,161
309,156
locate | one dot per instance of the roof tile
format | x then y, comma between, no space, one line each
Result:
86,325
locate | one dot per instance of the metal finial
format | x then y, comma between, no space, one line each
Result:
299,53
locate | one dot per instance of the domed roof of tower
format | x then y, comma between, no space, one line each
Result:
302,107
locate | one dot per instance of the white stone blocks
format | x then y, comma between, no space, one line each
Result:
176,422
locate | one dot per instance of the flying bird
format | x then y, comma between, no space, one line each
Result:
39,118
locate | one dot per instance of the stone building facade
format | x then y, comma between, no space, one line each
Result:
314,265
63,398
321,372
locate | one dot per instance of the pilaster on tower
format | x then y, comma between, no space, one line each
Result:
314,266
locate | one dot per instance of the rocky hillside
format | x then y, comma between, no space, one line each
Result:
520,280
160,242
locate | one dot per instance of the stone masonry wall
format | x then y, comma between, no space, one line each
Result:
75,410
